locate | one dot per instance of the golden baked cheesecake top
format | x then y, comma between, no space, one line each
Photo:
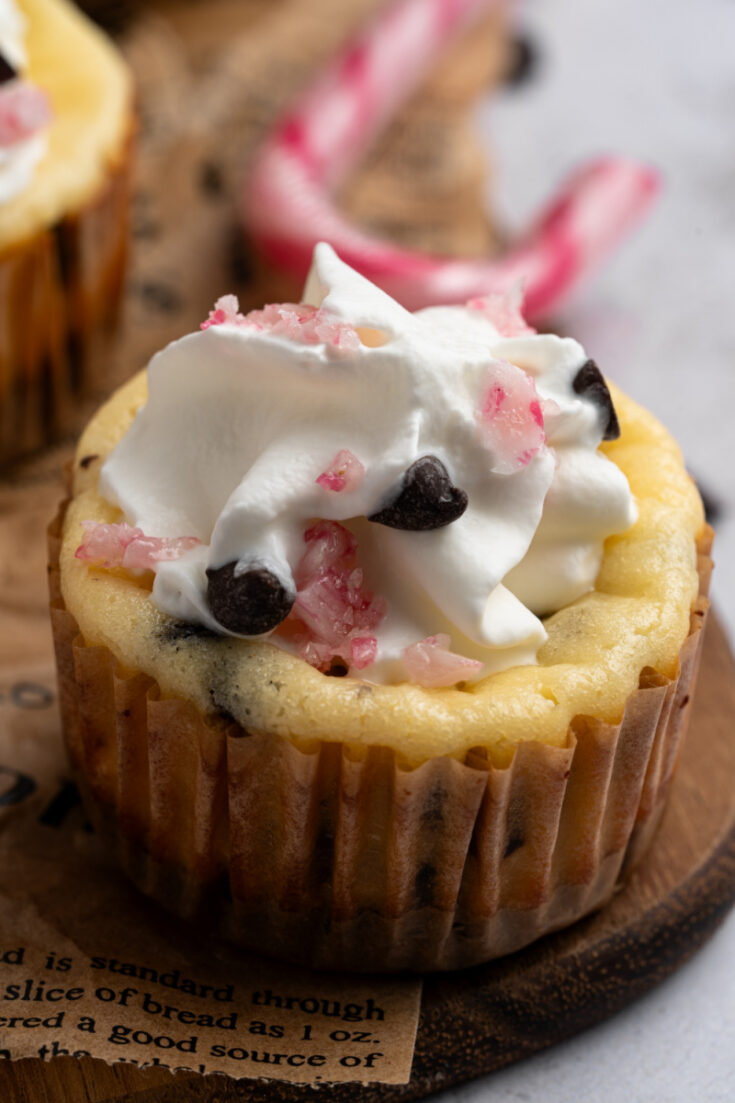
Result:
421,503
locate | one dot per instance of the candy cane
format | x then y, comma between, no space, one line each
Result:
289,205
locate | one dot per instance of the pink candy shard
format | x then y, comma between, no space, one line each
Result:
363,650
24,110
119,545
430,663
345,472
327,545
309,325
504,310
226,310
337,614
105,545
511,418
145,552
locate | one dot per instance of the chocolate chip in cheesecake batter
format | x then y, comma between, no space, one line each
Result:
337,668
248,603
427,499
523,60
7,72
179,631
590,383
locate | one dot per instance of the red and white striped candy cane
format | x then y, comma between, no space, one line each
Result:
289,204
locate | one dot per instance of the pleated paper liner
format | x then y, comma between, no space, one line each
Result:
60,294
348,860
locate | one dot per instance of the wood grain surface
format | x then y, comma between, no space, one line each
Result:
481,1019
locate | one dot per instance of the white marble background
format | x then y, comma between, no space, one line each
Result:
654,79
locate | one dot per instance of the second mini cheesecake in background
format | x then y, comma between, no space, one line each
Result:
66,125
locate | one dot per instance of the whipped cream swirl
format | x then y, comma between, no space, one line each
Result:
237,443
24,109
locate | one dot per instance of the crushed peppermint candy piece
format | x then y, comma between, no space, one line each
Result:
333,615
119,545
430,663
310,325
104,544
505,310
363,650
145,552
511,418
345,472
315,654
327,545
226,311
24,110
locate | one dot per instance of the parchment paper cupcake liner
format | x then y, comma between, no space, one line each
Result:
343,858
60,294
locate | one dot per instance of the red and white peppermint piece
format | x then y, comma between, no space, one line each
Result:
345,472
119,545
147,551
290,202
315,654
505,310
430,663
310,325
327,545
24,110
511,418
336,615
226,312
363,651
104,544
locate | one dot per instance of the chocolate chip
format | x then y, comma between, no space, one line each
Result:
7,72
241,258
248,603
143,223
159,296
712,504
523,60
211,179
144,228
113,15
427,499
589,383
337,669
175,631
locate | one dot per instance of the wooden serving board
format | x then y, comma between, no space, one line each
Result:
478,1020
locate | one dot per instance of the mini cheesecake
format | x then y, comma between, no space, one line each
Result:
63,236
